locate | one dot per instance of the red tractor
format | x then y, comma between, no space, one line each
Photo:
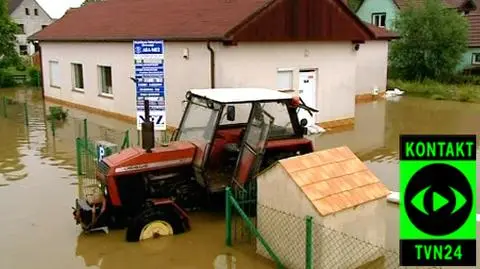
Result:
225,137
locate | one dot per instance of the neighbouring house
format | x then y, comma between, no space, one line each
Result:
345,199
382,13
30,18
310,46
471,59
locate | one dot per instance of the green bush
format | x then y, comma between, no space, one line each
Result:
34,76
6,79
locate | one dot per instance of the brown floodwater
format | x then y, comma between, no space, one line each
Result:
38,187
375,139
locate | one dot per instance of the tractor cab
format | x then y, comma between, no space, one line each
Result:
239,131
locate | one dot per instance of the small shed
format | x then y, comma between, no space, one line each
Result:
346,200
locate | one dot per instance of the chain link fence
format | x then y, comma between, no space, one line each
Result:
13,109
302,243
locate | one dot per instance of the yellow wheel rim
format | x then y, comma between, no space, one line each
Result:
156,229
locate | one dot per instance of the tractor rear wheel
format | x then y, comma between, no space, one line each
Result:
153,223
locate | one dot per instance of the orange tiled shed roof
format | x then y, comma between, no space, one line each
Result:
334,179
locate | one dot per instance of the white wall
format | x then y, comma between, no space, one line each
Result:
32,23
117,55
256,64
372,63
245,65
180,74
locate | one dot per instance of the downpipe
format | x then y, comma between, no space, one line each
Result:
212,64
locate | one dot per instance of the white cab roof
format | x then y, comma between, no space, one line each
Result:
239,95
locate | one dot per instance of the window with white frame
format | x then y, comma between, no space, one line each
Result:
284,79
476,58
77,76
54,69
379,19
105,80
23,49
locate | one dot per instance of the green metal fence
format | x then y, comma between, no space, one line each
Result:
295,242
16,110
88,138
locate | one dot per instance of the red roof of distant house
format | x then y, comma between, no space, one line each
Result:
123,20
474,29
12,5
449,3
382,33
458,4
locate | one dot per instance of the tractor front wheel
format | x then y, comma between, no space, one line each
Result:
153,223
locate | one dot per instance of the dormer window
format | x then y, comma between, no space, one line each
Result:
35,11
379,19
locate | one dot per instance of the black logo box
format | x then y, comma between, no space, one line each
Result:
409,255
466,143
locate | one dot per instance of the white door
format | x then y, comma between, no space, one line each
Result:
308,92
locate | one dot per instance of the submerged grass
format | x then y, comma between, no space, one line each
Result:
439,91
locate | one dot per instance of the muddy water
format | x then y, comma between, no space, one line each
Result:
38,187
375,138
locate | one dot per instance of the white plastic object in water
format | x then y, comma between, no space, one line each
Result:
315,129
398,91
375,90
394,197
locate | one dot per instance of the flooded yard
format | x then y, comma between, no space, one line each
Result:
38,188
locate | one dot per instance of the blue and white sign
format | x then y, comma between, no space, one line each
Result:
100,153
148,57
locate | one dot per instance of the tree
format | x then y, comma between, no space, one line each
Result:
8,41
90,1
433,40
353,4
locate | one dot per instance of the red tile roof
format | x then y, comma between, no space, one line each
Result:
449,3
382,33
125,20
333,179
474,29
13,4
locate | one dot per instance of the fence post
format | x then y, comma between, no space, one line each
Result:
138,137
4,101
79,155
53,126
85,130
308,243
228,217
126,140
25,110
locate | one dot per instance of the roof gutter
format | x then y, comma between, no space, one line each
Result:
212,65
125,39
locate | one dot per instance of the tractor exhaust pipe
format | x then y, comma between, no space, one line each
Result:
148,133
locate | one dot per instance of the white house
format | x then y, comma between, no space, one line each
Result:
305,45
346,201
372,63
30,18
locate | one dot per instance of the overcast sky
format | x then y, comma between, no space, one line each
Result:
56,8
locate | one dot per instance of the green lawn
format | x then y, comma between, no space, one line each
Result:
15,72
439,91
